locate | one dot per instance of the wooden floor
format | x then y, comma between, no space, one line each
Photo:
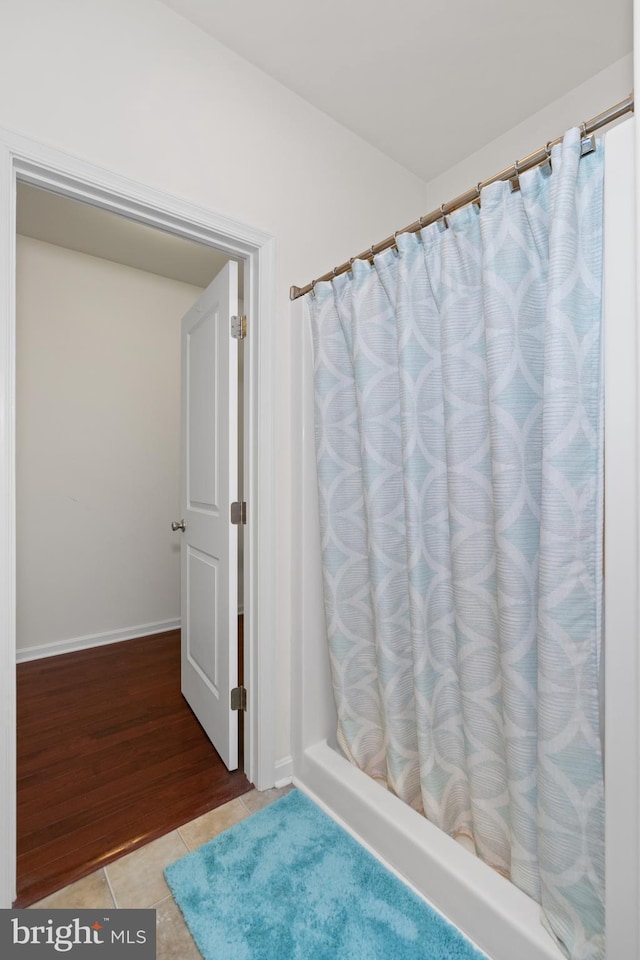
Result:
109,757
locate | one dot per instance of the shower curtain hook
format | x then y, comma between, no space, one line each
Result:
478,199
515,181
443,216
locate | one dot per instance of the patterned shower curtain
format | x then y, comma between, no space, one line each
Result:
459,434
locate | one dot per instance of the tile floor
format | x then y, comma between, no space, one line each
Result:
136,880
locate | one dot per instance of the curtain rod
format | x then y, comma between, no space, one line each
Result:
472,195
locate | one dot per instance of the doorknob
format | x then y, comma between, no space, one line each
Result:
178,525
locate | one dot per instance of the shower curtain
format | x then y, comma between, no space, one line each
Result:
459,438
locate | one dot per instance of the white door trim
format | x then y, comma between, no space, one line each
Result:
38,164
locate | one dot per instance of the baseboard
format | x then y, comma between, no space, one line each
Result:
95,640
283,772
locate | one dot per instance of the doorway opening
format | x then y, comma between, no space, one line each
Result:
99,306
37,165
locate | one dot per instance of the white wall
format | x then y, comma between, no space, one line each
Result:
98,448
589,99
136,89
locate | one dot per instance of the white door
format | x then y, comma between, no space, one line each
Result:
209,552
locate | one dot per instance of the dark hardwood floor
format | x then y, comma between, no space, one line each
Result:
109,757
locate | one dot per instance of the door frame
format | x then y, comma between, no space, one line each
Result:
33,162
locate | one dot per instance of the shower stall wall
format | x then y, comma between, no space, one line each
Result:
492,912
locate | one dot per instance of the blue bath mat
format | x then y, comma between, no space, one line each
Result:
289,884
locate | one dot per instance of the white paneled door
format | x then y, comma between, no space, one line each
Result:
209,552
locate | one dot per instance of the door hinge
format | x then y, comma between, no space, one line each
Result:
239,698
239,512
239,327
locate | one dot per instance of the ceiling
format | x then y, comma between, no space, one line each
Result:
99,233
428,82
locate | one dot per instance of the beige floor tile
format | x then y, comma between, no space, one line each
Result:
92,891
211,824
137,879
256,800
174,942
